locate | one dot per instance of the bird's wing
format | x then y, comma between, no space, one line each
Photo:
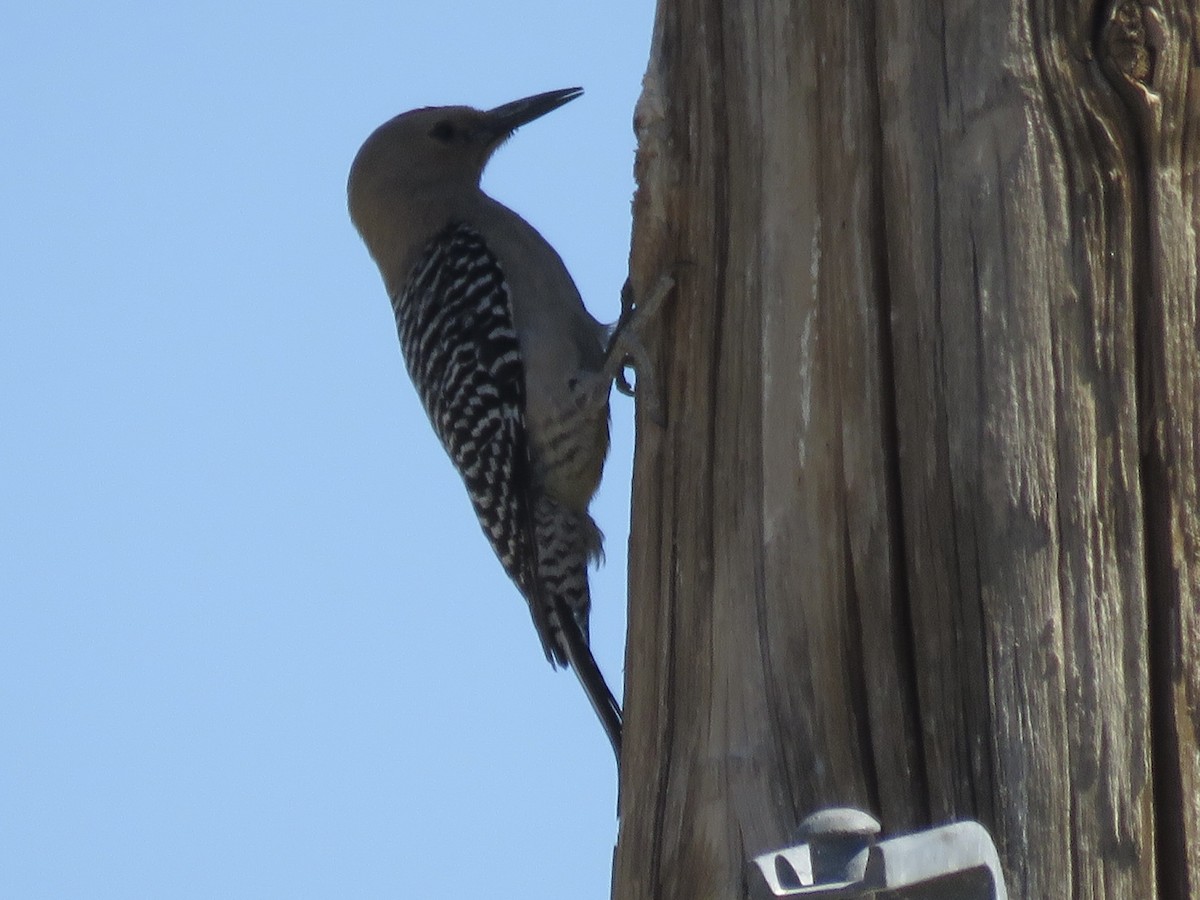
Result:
454,317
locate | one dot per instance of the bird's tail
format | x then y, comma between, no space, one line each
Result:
580,659
566,541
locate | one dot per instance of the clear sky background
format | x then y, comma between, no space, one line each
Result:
252,641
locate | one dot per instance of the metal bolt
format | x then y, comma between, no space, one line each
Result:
836,839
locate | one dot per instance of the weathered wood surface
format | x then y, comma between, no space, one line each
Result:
922,534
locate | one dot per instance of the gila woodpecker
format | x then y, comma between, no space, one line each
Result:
512,370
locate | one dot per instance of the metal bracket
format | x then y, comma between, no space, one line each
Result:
842,857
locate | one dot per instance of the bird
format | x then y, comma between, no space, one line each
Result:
512,370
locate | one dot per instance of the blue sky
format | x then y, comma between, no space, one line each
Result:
252,642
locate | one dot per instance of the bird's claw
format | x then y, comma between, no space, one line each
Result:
626,349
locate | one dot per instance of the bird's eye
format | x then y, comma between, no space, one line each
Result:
443,131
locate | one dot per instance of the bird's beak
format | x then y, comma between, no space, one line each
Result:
506,119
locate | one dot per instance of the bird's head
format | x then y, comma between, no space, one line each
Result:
440,146
421,169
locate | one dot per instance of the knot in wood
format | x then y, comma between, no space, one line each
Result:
1125,42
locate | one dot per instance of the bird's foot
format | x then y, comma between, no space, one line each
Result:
627,348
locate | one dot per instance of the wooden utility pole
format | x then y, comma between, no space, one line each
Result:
922,534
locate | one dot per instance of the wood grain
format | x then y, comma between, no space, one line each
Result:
922,533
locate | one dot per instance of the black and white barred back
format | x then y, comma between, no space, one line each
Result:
454,317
